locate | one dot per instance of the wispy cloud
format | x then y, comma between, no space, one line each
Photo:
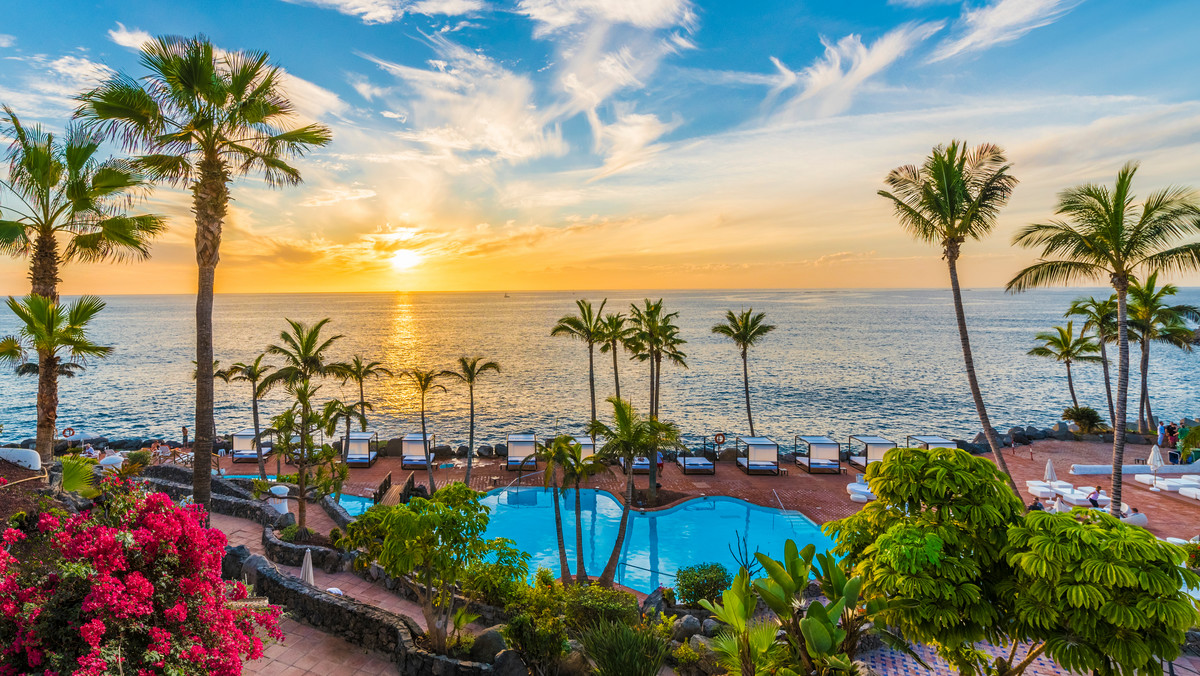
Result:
132,38
329,196
7,40
552,15
388,11
999,22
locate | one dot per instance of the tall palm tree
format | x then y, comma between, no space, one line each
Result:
615,333
955,195
629,436
1153,320
59,192
655,338
203,116
426,382
335,411
1064,347
586,327
576,470
302,419
469,370
555,456
1099,317
53,332
1103,234
359,370
745,330
254,373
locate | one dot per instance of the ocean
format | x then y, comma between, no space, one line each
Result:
840,362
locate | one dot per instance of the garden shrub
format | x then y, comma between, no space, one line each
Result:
588,605
622,650
143,458
498,578
1087,418
1192,549
535,626
703,581
687,661
289,534
335,536
132,588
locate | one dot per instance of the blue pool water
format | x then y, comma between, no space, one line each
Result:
353,504
657,543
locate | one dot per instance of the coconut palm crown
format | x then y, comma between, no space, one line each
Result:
1064,347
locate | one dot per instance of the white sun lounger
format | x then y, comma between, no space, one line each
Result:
1080,499
641,465
695,464
873,449
822,455
1044,490
1170,484
522,452
412,450
1193,493
762,455
861,488
360,453
243,447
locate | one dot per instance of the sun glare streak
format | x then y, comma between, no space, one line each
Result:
405,259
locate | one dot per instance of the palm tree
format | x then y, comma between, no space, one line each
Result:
359,370
426,382
52,331
254,373
744,330
301,419
203,116
576,470
336,410
955,195
1152,320
585,326
1100,317
555,456
1104,235
655,338
615,333
469,370
629,436
1063,346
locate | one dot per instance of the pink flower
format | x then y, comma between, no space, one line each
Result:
92,632
48,522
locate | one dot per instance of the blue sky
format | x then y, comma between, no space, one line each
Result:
639,143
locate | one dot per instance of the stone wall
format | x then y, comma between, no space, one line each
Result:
251,510
328,560
336,511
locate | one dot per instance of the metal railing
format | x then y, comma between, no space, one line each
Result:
623,565
1177,669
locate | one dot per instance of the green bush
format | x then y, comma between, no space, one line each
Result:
703,581
143,458
535,627
335,536
287,478
1087,418
687,661
289,534
589,605
498,579
621,650
1193,555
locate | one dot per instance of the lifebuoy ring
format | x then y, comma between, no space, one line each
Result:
719,439
69,432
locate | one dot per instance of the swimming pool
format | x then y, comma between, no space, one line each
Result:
353,504
657,543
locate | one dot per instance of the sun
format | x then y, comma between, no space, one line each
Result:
404,259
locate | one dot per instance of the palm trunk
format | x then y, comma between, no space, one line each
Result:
362,400
1122,286
592,376
1146,386
210,198
581,576
616,373
425,444
969,363
1071,386
262,464
746,387
1143,428
471,434
1112,414
332,471
564,570
302,484
47,405
610,569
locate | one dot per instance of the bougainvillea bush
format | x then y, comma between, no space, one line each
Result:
132,586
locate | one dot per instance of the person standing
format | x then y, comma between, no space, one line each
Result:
1162,434
1094,497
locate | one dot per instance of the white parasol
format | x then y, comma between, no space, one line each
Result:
306,569
1050,476
1154,462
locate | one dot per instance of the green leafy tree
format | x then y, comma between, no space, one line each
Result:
655,340
53,332
203,116
555,456
359,370
429,545
585,327
255,373
745,330
469,371
955,195
1100,318
1064,347
1103,234
426,382
1152,319
295,432
615,333
576,470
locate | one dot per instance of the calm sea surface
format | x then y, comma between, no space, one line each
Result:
841,362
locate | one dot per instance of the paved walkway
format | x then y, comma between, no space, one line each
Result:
309,652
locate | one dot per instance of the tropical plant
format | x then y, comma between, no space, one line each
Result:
587,326
747,646
615,333
1100,318
497,578
1153,320
1103,234
536,628
56,333
586,606
576,470
655,339
955,195
1064,347
203,116
469,371
629,436
425,382
745,330
555,456
77,476
428,546
1086,417
334,412
255,374
701,581
359,370
295,439
619,649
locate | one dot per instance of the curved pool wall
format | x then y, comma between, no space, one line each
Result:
657,544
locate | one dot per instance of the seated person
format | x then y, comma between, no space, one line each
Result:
1129,513
89,452
1036,506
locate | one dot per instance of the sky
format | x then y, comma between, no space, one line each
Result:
634,144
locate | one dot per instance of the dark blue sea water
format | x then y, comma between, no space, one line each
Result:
846,362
